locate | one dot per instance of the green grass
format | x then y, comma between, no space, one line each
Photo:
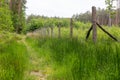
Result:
77,59
13,59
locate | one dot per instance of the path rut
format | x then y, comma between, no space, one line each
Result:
34,73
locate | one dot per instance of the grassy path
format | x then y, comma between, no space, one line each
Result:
34,71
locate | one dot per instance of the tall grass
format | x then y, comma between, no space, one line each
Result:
13,60
77,59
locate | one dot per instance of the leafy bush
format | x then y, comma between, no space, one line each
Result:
78,24
34,24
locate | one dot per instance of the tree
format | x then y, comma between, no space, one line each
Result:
17,8
35,24
5,17
110,7
83,17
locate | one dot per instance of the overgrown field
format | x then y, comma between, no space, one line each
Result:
78,59
62,58
13,57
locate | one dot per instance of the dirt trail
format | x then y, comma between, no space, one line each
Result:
34,73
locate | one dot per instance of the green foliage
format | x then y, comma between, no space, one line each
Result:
62,22
35,24
78,24
50,22
13,60
79,60
109,4
76,59
18,22
110,7
41,22
13,57
5,18
83,17
17,8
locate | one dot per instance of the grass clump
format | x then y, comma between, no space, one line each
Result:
13,60
73,59
77,59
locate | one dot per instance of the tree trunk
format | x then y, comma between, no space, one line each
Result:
109,21
19,7
10,4
16,9
117,17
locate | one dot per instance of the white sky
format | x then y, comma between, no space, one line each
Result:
61,8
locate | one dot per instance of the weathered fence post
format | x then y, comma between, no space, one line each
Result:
94,24
71,28
117,17
48,32
59,31
45,32
94,27
51,31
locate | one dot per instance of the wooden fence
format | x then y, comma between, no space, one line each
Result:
43,32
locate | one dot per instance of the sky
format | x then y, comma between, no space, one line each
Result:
61,8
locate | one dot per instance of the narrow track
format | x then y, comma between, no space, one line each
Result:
34,73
